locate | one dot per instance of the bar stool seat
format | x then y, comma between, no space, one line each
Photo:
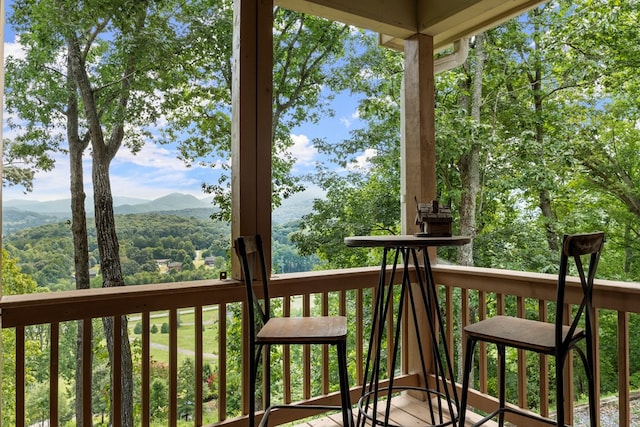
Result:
521,333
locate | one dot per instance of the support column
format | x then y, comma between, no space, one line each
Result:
419,138
2,22
251,102
251,145
418,168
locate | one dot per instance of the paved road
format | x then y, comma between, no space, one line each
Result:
183,351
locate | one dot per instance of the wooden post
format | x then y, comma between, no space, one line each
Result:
419,146
251,103
2,8
418,166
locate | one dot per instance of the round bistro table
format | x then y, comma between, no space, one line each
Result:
407,247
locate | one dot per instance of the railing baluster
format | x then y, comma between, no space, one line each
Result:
464,321
596,361
568,375
54,367
522,360
286,357
543,365
173,367
222,362
116,368
20,373
146,369
199,349
87,363
325,348
623,369
483,374
359,336
448,301
306,354
500,304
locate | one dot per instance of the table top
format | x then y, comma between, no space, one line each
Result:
407,241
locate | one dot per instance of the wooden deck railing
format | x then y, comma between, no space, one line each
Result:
499,287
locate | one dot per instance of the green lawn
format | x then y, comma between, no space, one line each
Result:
186,334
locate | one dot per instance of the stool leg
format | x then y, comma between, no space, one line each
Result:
345,397
468,366
252,387
591,376
502,362
560,361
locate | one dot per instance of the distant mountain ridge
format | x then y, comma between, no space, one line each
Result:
20,214
122,205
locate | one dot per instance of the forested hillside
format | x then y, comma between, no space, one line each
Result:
155,248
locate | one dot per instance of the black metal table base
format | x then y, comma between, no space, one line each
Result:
367,410
446,397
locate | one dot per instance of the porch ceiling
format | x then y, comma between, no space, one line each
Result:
396,20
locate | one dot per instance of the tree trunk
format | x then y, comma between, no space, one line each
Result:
543,192
544,197
78,224
628,245
549,219
108,247
469,163
109,250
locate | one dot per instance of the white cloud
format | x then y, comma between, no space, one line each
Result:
14,49
151,173
52,185
348,121
153,156
303,150
362,161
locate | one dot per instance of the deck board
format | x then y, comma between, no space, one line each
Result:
405,411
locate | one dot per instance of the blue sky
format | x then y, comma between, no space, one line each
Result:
156,171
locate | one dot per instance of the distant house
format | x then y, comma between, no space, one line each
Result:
210,261
162,261
177,266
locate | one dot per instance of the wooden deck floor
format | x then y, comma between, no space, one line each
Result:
405,411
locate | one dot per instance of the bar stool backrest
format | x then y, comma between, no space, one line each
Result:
249,250
577,246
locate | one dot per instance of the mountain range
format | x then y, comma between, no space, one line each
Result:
122,205
19,214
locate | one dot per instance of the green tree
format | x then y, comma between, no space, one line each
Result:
158,407
14,282
21,161
306,54
186,389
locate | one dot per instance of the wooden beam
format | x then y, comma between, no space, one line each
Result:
252,89
455,19
396,18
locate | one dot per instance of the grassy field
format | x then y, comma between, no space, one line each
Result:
186,334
